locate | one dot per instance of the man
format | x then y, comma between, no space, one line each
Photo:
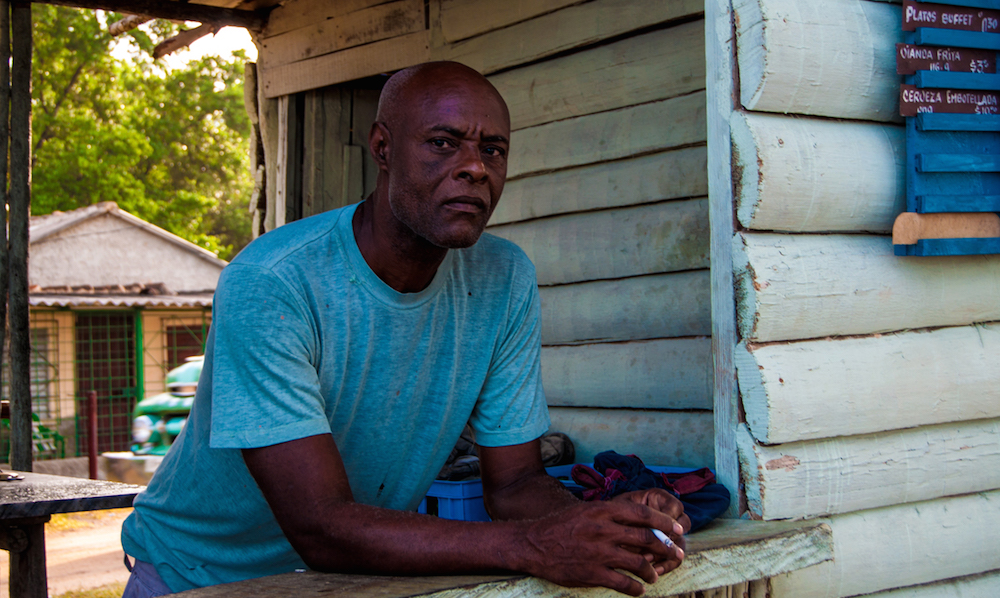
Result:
346,355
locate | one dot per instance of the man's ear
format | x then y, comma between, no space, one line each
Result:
378,145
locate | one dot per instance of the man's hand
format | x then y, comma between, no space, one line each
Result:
667,503
586,544
581,544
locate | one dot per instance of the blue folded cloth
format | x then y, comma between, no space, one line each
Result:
615,474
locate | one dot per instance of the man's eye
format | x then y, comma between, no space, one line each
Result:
494,151
440,142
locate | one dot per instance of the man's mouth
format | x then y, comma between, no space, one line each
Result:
471,205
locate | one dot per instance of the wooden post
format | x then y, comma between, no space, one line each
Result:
4,147
92,433
28,577
20,208
719,57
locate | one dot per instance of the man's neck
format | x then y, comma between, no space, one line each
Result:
404,261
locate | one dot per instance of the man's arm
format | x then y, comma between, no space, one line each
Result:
307,488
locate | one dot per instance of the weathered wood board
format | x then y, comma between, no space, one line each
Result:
984,585
716,561
645,68
461,19
792,287
671,438
833,58
609,135
296,14
672,174
846,386
671,373
353,63
563,30
720,56
321,37
664,237
903,545
814,175
839,475
326,133
268,117
642,307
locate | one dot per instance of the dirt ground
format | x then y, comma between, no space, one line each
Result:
82,550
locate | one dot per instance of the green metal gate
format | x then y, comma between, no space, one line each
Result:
107,362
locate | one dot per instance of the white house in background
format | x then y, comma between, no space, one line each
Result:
115,303
102,245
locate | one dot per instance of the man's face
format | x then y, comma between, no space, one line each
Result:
447,161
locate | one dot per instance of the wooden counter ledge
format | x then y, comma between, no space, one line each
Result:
725,553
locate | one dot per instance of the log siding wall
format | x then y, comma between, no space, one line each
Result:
606,189
868,381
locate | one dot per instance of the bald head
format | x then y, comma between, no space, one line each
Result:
411,87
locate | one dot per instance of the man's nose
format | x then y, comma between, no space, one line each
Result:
471,164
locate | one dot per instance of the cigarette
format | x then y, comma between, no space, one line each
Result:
662,537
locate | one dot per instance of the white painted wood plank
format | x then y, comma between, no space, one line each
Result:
984,585
833,58
644,68
353,63
838,475
608,135
655,177
808,286
357,28
563,30
814,175
902,545
643,307
656,374
664,237
295,14
847,386
672,438
720,99
461,19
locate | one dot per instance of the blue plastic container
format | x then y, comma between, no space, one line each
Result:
462,501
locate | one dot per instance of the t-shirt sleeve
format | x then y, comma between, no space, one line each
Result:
265,389
511,408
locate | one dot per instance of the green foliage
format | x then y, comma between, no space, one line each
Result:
169,146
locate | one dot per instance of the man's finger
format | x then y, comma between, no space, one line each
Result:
622,583
637,564
640,515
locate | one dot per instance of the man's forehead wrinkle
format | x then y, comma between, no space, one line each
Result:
478,132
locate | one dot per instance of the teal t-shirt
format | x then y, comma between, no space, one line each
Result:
307,340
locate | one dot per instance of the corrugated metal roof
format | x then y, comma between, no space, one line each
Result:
89,300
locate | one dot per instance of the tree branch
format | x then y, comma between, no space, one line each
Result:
183,40
55,109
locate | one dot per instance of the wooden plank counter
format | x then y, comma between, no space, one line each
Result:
726,553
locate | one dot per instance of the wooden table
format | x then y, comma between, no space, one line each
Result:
25,506
727,554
